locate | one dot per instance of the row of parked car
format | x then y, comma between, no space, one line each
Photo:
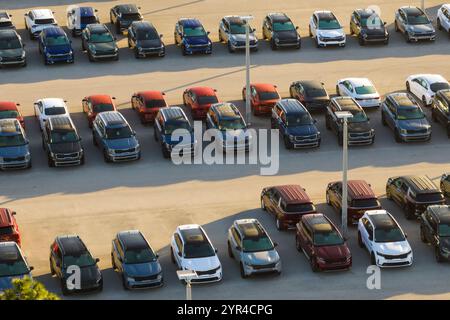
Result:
249,243
191,36
400,111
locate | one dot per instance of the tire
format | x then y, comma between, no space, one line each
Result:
124,283
310,33
165,152
287,143
241,269
338,92
106,157
361,41
398,139
52,271
396,27
172,256
51,163
230,252
360,242
298,244
383,119
422,236
314,265
273,46
230,49
263,206
372,259
388,194
279,226
118,28
438,255
136,54
424,102
94,141
438,23
317,43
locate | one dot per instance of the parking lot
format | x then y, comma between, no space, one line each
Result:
98,199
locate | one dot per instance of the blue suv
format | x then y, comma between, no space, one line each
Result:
405,117
55,46
112,133
297,127
192,37
167,121
14,150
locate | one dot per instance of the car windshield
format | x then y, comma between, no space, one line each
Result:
6,114
435,87
119,133
411,113
155,103
44,21
231,124
371,22
327,238
389,234
268,95
207,99
6,230
82,260
358,116
365,90
444,230
198,249
429,197
329,23
88,20
194,32
13,268
139,255
283,26
301,207
365,203
148,34
101,37
301,119
64,137
53,111
7,44
418,19
57,41
174,125
237,28
6,24
131,16
103,107
316,92
12,140
257,244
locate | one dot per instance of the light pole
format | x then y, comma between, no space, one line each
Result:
187,276
247,68
422,4
344,115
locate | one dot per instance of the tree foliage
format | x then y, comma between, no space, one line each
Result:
27,289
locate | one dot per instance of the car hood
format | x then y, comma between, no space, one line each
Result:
196,40
201,264
359,126
333,252
242,37
302,130
262,257
413,124
65,147
150,43
125,143
422,28
142,269
6,282
58,49
17,151
104,46
287,35
235,134
375,31
331,33
11,52
184,138
392,248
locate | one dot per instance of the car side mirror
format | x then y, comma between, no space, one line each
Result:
65,100
25,14
31,268
296,28
24,45
253,30
406,235
368,118
179,253
163,93
215,250
115,38
161,35
114,98
275,244
384,23
95,10
97,260
208,33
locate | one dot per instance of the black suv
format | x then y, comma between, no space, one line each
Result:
435,230
69,254
62,143
312,94
280,31
11,49
367,26
360,131
123,15
144,39
99,42
440,111
413,194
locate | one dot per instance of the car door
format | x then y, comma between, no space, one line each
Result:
429,228
266,198
338,197
313,25
275,201
334,121
308,246
56,259
391,114
301,94
178,33
331,191
441,110
269,30
355,24
445,22
46,138
236,246
113,15
178,250
132,37
445,185
417,88
223,29
396,191
367,234
282,124
118,255
401,21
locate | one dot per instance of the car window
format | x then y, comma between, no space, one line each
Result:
236,237
178,243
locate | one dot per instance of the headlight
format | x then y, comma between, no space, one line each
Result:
233,40
111,152
130,279
92,48
291,137
403,131
52,155
70,52
28,156
48,55
277,40
23,55
138,147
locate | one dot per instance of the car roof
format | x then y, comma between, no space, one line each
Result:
279,17
358,81
192,233
367,12
8,34
291,106
42,13
189,22
318,222
61,123
53,102
346,103
310,84
86,11
5,218
266,87
234,20
250,228
54,31
402,99
97,27
226,110
203,91
360,189
411,10
132,239
429,77
151,95
9,126
293,194
381,219
112,118
143,25
441,213
173,113
8,105
127,8
100,98
71,245
421,184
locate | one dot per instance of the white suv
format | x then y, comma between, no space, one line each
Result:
385,240
37,20
49,107
360,89
192,250
425,86
443,18
326,29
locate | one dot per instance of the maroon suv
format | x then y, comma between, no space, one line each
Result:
322,243
287,204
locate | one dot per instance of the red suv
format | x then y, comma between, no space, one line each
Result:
287,204
199,100
322,243
93,105
147,104
9,110
263,97
360,199
9,230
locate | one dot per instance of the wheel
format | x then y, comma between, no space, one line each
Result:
117,28
317,43
230,48
437,254
438,23
273,45
361,41
298,245
165,152
113,263
383,119
183,50
279,225
51,163
287,143
388,194
243,275
373,261
172,256
338,92
136,54
314,265
398,138
422,236
230,252
106,157
309,30
263,205
408,87
94,141
424,101
360,243
327,198
396,27
52,271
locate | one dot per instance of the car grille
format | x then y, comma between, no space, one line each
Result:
199,45
420,131
264,266
11,59
392,257
212,271
146,278
14,159
67,155
339,260
310,137
333,39
125,150
360,135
